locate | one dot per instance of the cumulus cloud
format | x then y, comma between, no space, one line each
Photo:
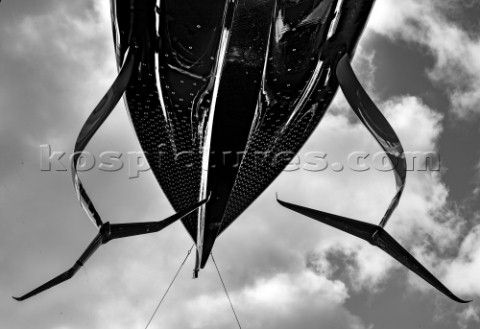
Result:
467,264
468,316
281,301
456,52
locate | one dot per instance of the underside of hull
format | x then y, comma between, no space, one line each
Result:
228,92
222,97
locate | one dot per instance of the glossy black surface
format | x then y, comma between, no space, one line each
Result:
227,86
375,122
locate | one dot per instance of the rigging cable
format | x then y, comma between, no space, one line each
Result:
168,289
226,291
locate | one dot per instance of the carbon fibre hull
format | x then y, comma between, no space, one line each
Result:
228,92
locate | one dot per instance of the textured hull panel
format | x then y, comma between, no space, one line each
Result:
297,89
229,91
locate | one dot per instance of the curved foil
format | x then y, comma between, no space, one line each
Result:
377,236
106,233
94,121
378,126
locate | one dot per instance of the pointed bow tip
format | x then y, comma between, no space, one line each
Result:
18,299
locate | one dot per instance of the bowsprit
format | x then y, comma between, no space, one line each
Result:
251,77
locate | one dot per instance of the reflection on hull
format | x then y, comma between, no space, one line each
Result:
242,85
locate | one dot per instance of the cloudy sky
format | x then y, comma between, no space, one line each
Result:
420,60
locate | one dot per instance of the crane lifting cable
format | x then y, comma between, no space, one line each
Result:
169,286
226,292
